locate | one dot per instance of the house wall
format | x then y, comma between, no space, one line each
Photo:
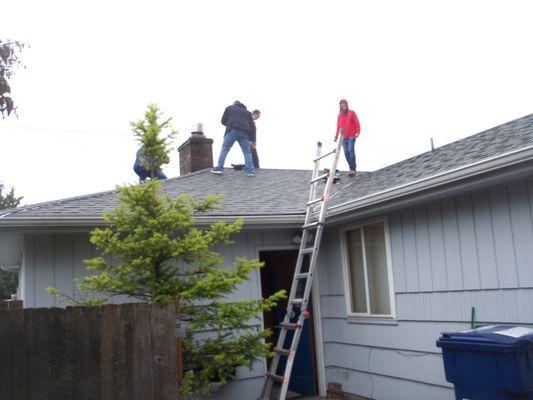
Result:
56,259
447,256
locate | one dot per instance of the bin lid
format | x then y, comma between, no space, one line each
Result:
494,335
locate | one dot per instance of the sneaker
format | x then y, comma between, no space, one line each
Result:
216,171
352,173
250,174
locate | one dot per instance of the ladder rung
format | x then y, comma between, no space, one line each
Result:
290,325
274,377
285,352
296,301
311,225
317,200
302,275
320,177
308,250
325,155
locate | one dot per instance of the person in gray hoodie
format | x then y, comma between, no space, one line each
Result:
239,128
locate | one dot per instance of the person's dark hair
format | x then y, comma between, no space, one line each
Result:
256,112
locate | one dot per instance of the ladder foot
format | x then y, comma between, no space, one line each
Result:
275,377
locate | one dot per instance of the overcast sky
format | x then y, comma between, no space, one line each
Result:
411,70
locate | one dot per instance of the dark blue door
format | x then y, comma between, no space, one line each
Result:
276,275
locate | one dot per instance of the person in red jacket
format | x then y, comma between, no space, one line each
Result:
348,122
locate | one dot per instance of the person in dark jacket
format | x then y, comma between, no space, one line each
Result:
348,122
141,170
255,116
239,128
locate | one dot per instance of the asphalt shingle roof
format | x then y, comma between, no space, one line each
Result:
284,192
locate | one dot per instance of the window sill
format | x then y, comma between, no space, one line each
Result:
356,319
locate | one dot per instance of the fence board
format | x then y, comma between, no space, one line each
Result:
37,357
113,355
87,360
138,341
12,367
162,332
61,354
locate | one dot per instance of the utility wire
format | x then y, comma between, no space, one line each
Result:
62,130
73,131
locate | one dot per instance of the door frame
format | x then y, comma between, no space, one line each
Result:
317,322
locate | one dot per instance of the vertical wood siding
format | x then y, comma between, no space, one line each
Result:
447,256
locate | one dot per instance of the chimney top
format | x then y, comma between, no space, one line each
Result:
197,129
197,151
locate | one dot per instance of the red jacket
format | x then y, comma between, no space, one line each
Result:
350,123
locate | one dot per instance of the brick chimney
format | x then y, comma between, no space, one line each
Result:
196,153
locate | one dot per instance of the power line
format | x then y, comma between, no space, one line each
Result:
74,131
132,135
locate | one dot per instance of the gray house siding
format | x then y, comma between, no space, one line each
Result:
447,256
55,259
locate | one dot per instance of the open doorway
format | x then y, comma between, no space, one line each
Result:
277,274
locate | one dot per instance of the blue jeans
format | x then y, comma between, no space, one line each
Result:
349,152
244,141
143,173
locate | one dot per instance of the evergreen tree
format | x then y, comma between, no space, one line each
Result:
8,284
8,280
154,139
8,200
152,250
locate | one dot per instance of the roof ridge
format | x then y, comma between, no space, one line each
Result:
448,145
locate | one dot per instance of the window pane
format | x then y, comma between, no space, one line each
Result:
356,271
376,263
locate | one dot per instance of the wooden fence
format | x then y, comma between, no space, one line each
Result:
114,352
11,304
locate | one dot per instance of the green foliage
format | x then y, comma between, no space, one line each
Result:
154,138
152,250
8,284
8,280
9,60
8,200
84,300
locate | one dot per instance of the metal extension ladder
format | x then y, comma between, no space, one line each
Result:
303,279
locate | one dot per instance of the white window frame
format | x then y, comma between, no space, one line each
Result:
367,317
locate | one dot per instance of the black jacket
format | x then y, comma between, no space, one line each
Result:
238,117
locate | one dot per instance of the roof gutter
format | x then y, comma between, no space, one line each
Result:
500,161
249,220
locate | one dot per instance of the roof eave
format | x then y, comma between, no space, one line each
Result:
469,171
249,221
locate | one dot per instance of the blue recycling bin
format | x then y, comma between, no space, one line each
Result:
489,363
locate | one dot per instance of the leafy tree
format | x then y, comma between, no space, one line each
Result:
151,249
8,280
8,200
154,141
9,60
8,284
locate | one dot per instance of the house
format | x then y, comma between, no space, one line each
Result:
407,251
